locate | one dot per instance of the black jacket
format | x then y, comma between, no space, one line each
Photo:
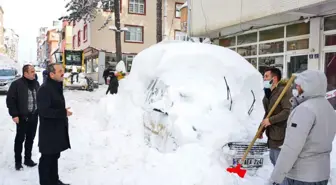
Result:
113,86
53,130
17,97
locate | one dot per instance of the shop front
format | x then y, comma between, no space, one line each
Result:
292,48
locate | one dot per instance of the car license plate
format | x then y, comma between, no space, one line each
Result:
250,162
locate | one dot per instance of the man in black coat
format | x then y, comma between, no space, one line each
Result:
21,103
53,130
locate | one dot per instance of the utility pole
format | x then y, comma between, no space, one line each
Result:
165,20
158,21
117,33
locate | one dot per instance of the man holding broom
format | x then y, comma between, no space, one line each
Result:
275,125
311,128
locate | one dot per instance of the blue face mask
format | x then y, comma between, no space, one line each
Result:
267,84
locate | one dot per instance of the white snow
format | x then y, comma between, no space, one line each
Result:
107,131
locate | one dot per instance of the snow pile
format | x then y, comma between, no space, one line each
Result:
201,81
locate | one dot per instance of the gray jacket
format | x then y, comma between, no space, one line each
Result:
305,154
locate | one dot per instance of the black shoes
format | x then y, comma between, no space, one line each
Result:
18,166
61,183
30,163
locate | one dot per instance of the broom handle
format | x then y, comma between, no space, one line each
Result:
261,129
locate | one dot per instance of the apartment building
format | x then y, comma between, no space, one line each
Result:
139,17
11,43
52,41
40,42
2,46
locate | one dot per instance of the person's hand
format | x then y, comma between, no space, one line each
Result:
16,120
261,136
265,123
69,113
270,182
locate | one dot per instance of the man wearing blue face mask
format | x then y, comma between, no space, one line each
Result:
311,128
275,126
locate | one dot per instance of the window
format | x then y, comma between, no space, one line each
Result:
134,34
227,42
297,64
274,61
108,6
177,10
330,23
79,38
137,7
74,41
252,61
277,33
330,40
247,50
297,44
129,60
330,70
85,33
180,35
272,47
247,38
297,29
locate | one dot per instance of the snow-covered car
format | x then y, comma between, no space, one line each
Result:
7,76
200,94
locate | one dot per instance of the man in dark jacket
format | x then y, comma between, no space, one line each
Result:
276,124
53,130
45,75
114,84
21,103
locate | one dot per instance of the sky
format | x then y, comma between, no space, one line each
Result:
25,17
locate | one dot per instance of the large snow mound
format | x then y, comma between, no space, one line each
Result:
203,114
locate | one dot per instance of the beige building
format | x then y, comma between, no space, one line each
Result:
2,46
139,17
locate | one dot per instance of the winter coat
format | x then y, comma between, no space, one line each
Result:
106,73
53,130
45,75
277,130
17,97
113,85
311,128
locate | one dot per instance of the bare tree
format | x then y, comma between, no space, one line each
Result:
117,33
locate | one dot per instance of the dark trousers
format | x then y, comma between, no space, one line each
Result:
48,169
25,131
105,78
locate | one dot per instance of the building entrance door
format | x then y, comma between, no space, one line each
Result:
296,64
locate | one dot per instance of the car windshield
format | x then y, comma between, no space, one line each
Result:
7,72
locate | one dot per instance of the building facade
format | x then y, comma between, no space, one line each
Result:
139,17
291,36
52,41
40,40
11,44
2,36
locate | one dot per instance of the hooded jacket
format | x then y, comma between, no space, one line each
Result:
305,154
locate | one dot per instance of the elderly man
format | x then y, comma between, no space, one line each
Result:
305,155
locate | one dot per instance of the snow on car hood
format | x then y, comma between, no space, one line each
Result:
199,111
7,77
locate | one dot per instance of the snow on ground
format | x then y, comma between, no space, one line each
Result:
107,132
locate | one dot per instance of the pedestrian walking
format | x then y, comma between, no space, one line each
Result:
21,103
113,85
53,130
305,155
275,126
106,74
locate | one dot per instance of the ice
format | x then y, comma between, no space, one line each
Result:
107,132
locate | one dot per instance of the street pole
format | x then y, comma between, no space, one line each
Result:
158,21
189,18
165,20
117,33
